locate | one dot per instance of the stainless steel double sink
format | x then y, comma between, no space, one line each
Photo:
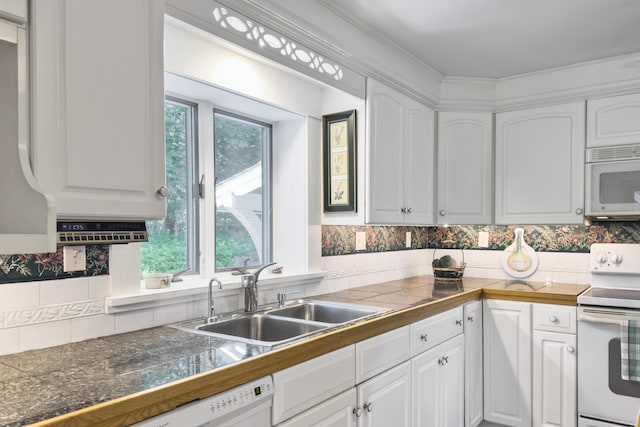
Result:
277,326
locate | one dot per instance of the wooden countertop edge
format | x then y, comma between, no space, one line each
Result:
139,406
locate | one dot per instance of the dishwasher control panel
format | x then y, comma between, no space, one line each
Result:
240,402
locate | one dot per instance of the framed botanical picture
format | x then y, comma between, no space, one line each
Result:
339,161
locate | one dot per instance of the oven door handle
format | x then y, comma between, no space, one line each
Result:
607,316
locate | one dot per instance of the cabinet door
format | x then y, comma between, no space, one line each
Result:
554,379
99,106
438,385
540,165
385,168
465,160
385,400
418,164
473,400
507,362
613,121
335,412
379,353
306,384
427,398
452,383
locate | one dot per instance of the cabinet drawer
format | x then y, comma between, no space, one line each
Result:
434,330
382,352
335,412
306,384
554,318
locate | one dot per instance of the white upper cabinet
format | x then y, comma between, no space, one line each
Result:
399,158
613,121
98,107
465,159
540,165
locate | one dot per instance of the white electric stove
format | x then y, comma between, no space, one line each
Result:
605,399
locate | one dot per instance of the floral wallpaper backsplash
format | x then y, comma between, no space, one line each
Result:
340,239
49,266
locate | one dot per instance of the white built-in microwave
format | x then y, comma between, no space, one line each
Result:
612,187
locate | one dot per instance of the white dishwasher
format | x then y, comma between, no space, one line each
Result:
248,405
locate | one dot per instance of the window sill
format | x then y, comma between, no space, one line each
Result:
182,292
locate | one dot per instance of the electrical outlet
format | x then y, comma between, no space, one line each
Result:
407,240
483,239
74,258
361,241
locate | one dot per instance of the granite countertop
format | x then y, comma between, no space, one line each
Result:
119,379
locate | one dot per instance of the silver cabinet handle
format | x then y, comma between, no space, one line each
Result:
403,210
163,192
459,322
368,406
579,211
423,337
570,349
553,319
470,318
357,412
408,210
443,212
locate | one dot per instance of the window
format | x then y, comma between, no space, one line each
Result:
172,244
242,210
242,150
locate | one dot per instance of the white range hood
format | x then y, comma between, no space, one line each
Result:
27,215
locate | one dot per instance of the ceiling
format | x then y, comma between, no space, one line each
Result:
499,38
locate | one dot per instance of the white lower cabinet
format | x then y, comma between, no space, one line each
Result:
554,366
438,385
473,397
507,362
335,412
309,383
385,400
530,364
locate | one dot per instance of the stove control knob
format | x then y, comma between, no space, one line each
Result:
601,257
615,258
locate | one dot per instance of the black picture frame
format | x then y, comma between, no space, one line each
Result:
339,161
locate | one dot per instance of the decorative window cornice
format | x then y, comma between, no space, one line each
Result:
267,38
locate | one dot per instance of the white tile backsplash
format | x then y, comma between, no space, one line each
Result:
41,314
45,335
9,341
84,328
98,287
14,296
169,314
134,320
63,291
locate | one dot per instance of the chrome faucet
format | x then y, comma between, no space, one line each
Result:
212,309
250,285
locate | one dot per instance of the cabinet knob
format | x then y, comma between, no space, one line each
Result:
579,211
459,322
570,349
403,210
368,406
408,210
357,412
553,319
442,212
163,192
470,318
423,337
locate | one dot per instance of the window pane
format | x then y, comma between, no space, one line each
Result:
242,155
171,245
